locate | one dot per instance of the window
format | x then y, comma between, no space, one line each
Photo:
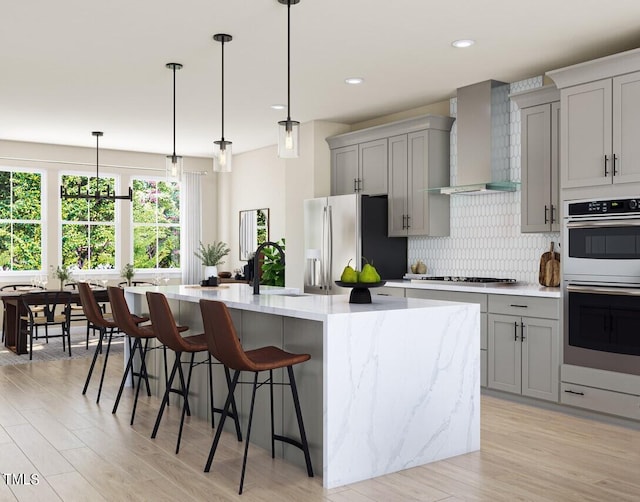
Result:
20,220
156,224
88,226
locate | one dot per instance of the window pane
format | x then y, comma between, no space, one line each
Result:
169,247
5,195
75,248
102,210
103,249
168,202
5,245
74,209
26,196
27,246
144,247
144,201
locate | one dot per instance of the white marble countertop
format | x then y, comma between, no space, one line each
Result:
506,289
274,300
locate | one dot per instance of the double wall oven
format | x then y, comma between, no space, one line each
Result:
601,281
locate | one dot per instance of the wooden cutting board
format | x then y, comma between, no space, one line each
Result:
549,274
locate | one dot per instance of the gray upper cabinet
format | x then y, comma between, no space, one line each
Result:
418,161
540,158
360,168
401,160
603,124
600,109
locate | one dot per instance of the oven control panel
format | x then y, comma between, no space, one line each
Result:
602,207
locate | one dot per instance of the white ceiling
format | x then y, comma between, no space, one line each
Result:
74,66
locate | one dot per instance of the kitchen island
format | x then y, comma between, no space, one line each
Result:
390,385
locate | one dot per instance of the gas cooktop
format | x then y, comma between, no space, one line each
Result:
471,280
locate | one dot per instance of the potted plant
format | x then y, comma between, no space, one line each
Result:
127,273
63,274
272,269
211,256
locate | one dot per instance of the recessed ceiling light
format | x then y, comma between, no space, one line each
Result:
354,80
461,44
278,107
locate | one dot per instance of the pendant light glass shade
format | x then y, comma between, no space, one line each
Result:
222,156
222,148
288,139
173,167
288,130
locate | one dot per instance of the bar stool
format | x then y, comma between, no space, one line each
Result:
225,346
164,327
94,315
128,324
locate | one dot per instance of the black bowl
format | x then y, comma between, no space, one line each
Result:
360,292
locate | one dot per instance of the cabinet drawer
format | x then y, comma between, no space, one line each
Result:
449,296
529,306
605,401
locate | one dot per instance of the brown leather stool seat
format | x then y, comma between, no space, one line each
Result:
225,346
164,328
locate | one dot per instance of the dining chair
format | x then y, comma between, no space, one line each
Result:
224,345
164,327
20,287
54,309
77,312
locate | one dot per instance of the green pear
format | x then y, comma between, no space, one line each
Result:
349,274
369,274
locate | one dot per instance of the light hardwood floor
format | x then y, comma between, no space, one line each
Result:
80,451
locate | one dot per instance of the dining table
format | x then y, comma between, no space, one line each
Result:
13,324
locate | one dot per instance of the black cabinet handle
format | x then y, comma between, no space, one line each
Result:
515,331
553,213
615,157
546,212
408,218
574,392
522,337
519,306
606,159
355,184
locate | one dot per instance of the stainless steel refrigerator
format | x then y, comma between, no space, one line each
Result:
348,227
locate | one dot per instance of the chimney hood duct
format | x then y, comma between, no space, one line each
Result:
482,140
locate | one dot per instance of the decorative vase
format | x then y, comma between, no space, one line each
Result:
210,271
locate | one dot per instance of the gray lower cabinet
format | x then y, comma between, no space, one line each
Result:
360,168
540,158
524,350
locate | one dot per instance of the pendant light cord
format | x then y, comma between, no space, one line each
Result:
222,104
173,159
97,166
289,61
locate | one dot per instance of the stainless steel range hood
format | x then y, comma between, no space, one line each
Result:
482,140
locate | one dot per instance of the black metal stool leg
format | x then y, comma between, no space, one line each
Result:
185,391
104,364
93,363
246,445
273,432
141,375
165,399
211,390
303,435
225,412
234,409
125,375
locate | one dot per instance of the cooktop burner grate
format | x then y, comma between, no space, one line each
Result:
447,278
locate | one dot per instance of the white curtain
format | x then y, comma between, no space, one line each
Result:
190,222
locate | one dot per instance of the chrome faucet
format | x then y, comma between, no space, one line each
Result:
256,264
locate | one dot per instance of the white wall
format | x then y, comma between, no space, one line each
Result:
55,159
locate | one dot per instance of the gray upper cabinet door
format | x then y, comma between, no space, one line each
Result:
540,154
344,166
585,133
626,128
398,183
373,167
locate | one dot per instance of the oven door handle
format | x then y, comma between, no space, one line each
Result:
631,222
600,290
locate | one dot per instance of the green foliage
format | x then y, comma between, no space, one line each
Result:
212,254
63,273
272,269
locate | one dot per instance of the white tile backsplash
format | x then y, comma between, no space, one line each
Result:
485,237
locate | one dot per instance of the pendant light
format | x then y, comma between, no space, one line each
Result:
174,162
98,195
222,148
288,130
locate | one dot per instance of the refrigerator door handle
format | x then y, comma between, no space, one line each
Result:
330,250
323,255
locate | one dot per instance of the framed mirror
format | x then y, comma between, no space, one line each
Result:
254,230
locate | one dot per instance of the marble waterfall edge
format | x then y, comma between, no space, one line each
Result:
404,393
